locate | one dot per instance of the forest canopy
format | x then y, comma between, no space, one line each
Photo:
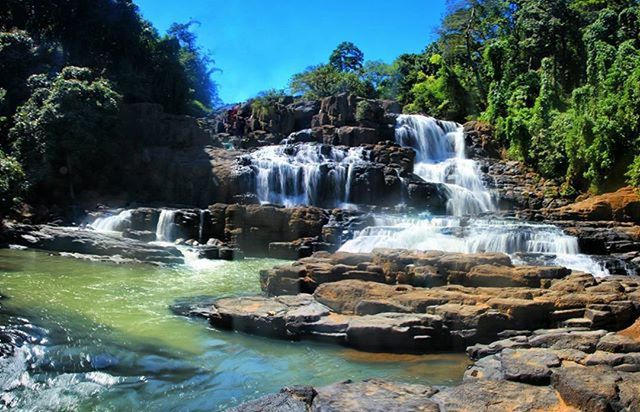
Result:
66,66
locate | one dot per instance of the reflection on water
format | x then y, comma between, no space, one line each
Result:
105,339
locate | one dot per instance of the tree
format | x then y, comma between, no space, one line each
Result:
198,67
324,80
63,133
347,57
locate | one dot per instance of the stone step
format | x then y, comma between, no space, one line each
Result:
562,315
577,323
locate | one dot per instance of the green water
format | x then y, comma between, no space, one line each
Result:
103,337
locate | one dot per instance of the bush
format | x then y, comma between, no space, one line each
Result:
64,133
12,181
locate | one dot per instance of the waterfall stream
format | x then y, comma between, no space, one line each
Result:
305,174
524,242
440,158
164,229
113,223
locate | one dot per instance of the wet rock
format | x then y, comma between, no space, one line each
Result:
391,267
522,276
405,333
289,399
142,235
74,240
266,317
374,395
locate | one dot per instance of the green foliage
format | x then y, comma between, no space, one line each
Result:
559,79
12,181
264,104
63,133
324,80
634,172
363,108
110,37
347,57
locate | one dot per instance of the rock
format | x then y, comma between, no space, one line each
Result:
207,252
405,333
227,253
266,317
528,365
374,395
480,140
141,235
289,399
621,206
73,240
618,343
489,395
588,388
503,276
389,266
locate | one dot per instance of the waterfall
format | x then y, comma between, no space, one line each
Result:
440,158
164,229
203,214
305,174
114,223
448,235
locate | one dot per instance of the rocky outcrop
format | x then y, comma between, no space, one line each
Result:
620,206
87,242
422,269
339,120
590,370
517,186
365,301
480,141
381,395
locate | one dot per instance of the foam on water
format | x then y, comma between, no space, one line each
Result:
113,223
449,235
440,158
305,174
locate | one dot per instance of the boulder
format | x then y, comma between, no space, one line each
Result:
88,242
621,206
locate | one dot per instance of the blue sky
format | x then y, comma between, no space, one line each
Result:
259,44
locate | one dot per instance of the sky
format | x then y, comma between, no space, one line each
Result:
259,44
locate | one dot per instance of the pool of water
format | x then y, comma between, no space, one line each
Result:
102,337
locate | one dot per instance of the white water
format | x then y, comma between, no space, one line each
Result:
305,174
447,234
440,158
114,223
164,229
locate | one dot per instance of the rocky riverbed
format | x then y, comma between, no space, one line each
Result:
540,338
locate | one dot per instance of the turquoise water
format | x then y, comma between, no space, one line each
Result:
102,337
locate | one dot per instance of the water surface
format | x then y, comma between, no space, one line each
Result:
102,337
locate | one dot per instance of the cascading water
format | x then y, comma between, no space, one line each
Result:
114,223
164,229
305,174
517,239
440,158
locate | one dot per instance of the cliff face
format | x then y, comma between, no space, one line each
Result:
179,160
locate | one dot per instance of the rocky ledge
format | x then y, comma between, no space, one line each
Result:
419,302
541,338
87,242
